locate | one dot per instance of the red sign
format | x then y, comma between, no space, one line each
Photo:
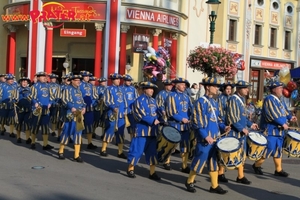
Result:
17,13
274,65
157,17
67,32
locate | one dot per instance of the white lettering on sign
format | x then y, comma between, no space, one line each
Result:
157,17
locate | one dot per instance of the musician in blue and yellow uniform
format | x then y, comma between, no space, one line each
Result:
207,124
115,101
179,109
274,120
92,81
144,110
226,89
73,126
236,117
24,109
54,110
42,99
131,95
89,96
160,101
101,114
9,96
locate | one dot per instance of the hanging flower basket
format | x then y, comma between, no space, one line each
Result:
214,61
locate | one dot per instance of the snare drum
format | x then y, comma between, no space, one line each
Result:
230,152
291,144
256,145
167,142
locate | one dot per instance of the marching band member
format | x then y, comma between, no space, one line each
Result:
54,109
160,100
92,81
76,108
144,140
24,109
130,95
207,123
42,98
89,97
236,117
274,120
115,101
179,109
9,96
222,99
102,113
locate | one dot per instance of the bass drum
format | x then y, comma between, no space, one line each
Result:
167,142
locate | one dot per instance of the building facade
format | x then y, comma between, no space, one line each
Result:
100,36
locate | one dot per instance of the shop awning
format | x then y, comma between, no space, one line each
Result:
295,73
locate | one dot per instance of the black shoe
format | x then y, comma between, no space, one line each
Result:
154,177
122,155
48,147
28,141
94,135
32,146
78,159
61,156
12,135
281,173
103,153
19,140
176,152
186,170
167,166
131,174
222,178
190,187
71,141
257,170
91,146
217,190
243,180
53,133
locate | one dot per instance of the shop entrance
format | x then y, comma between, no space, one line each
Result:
80,64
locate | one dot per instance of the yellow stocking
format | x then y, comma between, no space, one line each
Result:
168,160
214,179
11,128
18,134
104,146
120,148
53,127
33,136
76,150
152,169
184,157
130,168
191,177
241,171
27,134
61,148
89,138
277,162
221,170
259,162
59,132
45,140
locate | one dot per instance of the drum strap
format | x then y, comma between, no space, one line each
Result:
239,99
211,107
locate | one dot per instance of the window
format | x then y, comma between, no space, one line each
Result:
273,37
260,2
232,30
275,5
287,40
257,37
289,9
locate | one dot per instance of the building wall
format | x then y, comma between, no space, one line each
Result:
3,39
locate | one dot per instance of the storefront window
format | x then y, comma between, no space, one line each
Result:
253,93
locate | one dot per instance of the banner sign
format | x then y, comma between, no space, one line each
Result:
67,32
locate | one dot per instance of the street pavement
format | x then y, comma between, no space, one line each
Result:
106,179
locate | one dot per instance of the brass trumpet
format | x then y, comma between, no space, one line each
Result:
37,111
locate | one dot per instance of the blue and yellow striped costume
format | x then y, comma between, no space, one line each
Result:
24,108
206,121
145,113
8,96
274,115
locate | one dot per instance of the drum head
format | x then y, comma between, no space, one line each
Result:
171,134
295,135
257,138
229,144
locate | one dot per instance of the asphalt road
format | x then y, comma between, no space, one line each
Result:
105,178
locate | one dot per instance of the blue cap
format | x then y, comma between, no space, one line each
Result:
41,74
167,82
147,85
242,84
85,73
115,76
127,77
210,81
24,78
179,80
93,78
9,76
53,76
72,77
102,79
275,84
228,83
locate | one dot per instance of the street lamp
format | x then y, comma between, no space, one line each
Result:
212,17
